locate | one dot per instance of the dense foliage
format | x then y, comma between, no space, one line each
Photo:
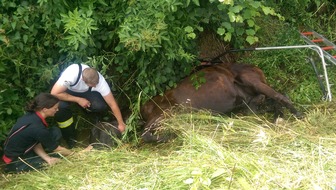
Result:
140,46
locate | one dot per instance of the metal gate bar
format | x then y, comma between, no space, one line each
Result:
316,48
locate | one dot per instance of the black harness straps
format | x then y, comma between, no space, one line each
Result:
79,74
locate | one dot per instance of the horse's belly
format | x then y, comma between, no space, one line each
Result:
215,96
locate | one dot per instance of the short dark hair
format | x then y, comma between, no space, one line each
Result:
90,75
43,100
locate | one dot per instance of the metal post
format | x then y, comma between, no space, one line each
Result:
316,48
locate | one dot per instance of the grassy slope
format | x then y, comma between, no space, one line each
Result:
241,153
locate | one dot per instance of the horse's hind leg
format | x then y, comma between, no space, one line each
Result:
270,92
255,102
257,82
278,112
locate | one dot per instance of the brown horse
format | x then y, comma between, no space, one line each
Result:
226,88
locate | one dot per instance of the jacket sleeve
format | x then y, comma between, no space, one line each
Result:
45,137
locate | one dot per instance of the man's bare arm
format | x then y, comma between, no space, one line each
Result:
60,92
38,149
116,111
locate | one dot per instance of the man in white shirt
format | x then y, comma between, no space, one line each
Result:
88,88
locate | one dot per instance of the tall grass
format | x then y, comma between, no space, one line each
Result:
210,152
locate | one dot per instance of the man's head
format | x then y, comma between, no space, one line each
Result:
90,77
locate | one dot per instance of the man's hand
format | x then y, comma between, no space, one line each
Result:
64,151
84,103
122,127
52,161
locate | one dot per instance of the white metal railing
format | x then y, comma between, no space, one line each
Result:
321,54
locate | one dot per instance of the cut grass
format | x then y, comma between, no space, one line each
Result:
210,152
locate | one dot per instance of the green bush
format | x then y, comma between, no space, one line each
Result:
140,46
